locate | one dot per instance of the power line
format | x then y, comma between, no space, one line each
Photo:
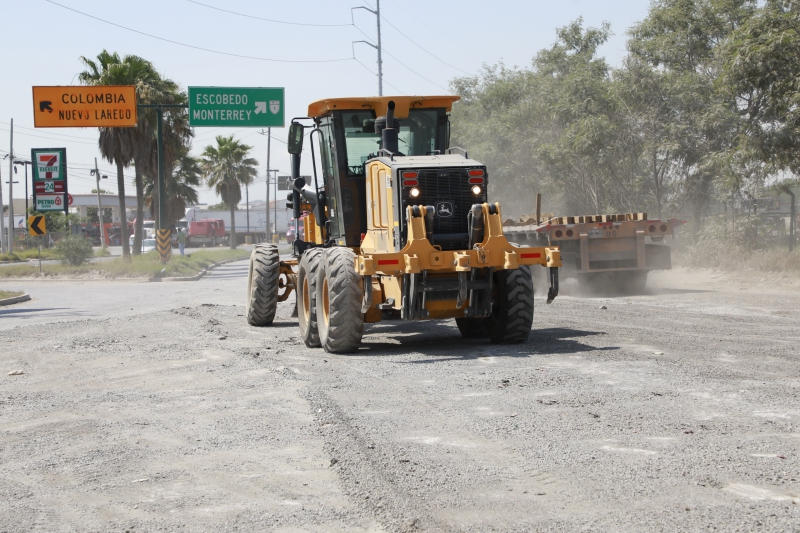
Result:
16,126
406,66
265,19
421,48
435,31
199,47
374,74
48,138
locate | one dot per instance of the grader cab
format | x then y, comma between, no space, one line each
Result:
397,224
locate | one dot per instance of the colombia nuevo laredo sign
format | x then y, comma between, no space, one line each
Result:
240,107
107,106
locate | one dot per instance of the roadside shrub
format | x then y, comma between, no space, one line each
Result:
74,250
745,246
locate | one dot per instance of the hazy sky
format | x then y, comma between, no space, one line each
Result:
42,44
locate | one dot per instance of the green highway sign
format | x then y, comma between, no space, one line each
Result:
236,107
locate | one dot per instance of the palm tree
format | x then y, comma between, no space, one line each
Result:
180,187
227,168
177,138
124,146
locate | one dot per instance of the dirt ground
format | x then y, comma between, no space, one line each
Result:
676,410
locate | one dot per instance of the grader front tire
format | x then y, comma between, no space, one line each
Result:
512,308
262,285
339,294
307,274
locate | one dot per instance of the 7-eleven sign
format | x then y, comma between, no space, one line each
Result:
49,164
50,179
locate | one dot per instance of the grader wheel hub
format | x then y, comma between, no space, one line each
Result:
287,281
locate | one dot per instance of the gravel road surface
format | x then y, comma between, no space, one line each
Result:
155,407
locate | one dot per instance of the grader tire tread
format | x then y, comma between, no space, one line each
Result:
512,314
345,326
262,295
308,269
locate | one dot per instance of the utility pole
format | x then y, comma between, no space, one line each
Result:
377,14
275,211
26,163
269,146
11,192
247,204
267,230
99,207
2,220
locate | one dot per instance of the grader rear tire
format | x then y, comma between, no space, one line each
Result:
262,285
339,293
307,296
512,308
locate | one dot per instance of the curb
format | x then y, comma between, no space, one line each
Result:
199,274
15,299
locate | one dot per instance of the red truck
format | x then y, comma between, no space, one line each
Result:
206,232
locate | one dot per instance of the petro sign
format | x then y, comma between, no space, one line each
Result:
240,107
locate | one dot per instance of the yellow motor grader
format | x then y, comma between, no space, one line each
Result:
398,225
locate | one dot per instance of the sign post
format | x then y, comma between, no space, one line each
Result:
38,226
50,179
238,107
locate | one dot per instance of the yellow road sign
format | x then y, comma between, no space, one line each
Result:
164,244
37,225
103,106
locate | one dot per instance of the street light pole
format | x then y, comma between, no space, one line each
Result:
2,220
11,192
267,231
275,211
99,207
269,146
26,163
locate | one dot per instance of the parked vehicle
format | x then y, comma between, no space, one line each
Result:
257,226
290,235
207,232
148,245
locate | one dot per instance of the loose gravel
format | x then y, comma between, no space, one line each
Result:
672,411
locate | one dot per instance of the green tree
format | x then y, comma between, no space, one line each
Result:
177,138
553,128
227,168
126,146
681,41
761,73
181,187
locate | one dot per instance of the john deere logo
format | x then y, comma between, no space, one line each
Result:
444,209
